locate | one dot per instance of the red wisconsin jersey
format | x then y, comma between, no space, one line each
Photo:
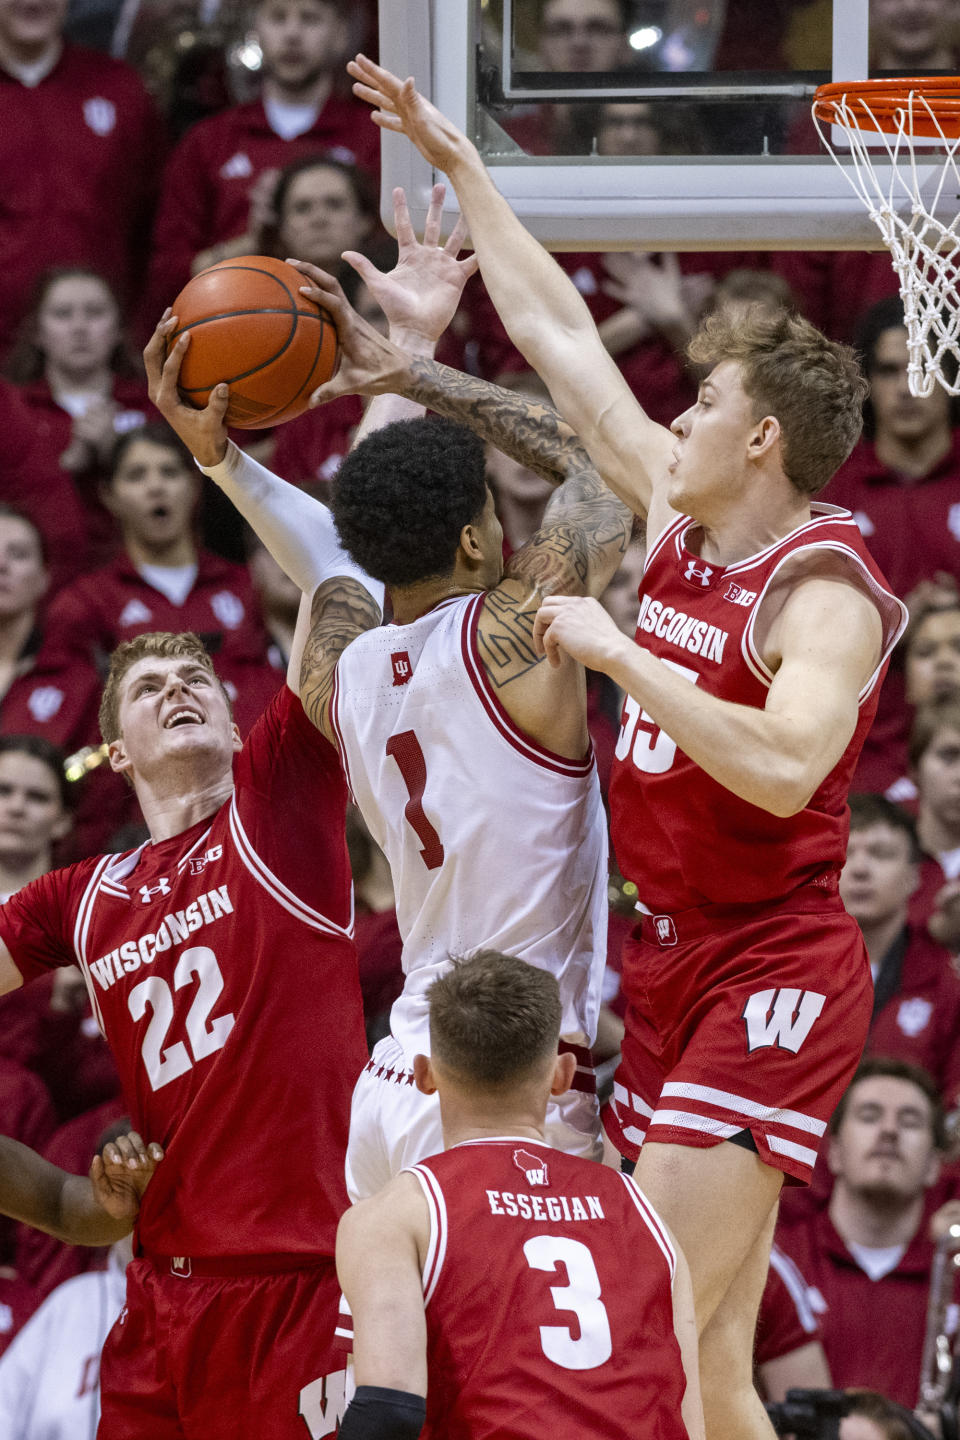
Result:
684,838
572,1331
220,965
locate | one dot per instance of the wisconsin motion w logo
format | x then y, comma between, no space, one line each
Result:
781,1017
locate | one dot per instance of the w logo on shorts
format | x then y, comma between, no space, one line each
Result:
781,1017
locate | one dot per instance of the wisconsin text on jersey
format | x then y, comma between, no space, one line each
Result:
174,927
682,630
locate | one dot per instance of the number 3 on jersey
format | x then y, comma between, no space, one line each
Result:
593,1345
653,750
406,750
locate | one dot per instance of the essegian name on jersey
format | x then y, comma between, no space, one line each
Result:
545,1207
683,630
174,928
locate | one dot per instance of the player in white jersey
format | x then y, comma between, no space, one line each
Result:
469,757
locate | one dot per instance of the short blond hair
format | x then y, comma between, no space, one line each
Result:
813,386
161,645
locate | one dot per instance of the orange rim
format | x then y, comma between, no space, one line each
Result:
882,100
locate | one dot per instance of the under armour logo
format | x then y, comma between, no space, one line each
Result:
147,892
180,1265
134,613
533,1166
692,573
402,669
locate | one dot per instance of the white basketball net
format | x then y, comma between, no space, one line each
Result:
925,252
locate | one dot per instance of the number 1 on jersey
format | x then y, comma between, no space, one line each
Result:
405,749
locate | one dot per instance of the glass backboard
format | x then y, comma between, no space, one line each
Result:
658,124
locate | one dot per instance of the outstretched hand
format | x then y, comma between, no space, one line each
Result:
370,364
204,432
400,107
122,1172
576,625
420,295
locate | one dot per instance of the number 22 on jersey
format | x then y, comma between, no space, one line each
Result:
653,750
205,1036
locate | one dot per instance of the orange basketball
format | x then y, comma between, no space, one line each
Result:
251,328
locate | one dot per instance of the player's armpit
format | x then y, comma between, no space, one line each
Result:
341,610
380,1247
10,977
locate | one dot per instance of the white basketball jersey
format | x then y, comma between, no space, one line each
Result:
493,841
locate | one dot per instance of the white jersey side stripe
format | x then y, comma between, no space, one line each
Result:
285,897
652,1221
688,1120
81,930
495,711
437,1245
193,848
796,1288
725,1100
796,1152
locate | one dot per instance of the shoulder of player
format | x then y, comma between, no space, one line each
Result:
397,1211
834,610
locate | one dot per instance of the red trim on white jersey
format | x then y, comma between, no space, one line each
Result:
476,670
653,1222
298,908
439,1229
335,726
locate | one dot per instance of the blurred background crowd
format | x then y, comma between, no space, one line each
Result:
141,140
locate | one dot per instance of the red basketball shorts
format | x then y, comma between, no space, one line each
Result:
219,1357
741,1018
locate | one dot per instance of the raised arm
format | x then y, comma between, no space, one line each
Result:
539,305
98,1210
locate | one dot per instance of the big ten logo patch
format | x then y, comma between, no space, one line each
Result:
402,669
738,595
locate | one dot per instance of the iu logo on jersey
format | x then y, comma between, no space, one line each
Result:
703,574
147,892
533,1166
783,1018
402,669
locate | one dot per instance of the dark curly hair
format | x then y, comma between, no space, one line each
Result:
401,498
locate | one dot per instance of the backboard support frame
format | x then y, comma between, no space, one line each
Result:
773,202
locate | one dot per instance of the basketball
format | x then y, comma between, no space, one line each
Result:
251,329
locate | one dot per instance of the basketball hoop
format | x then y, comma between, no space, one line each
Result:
883,121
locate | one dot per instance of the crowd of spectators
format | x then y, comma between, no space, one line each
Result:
107,530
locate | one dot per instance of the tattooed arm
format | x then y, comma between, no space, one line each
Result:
585,529
341,610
